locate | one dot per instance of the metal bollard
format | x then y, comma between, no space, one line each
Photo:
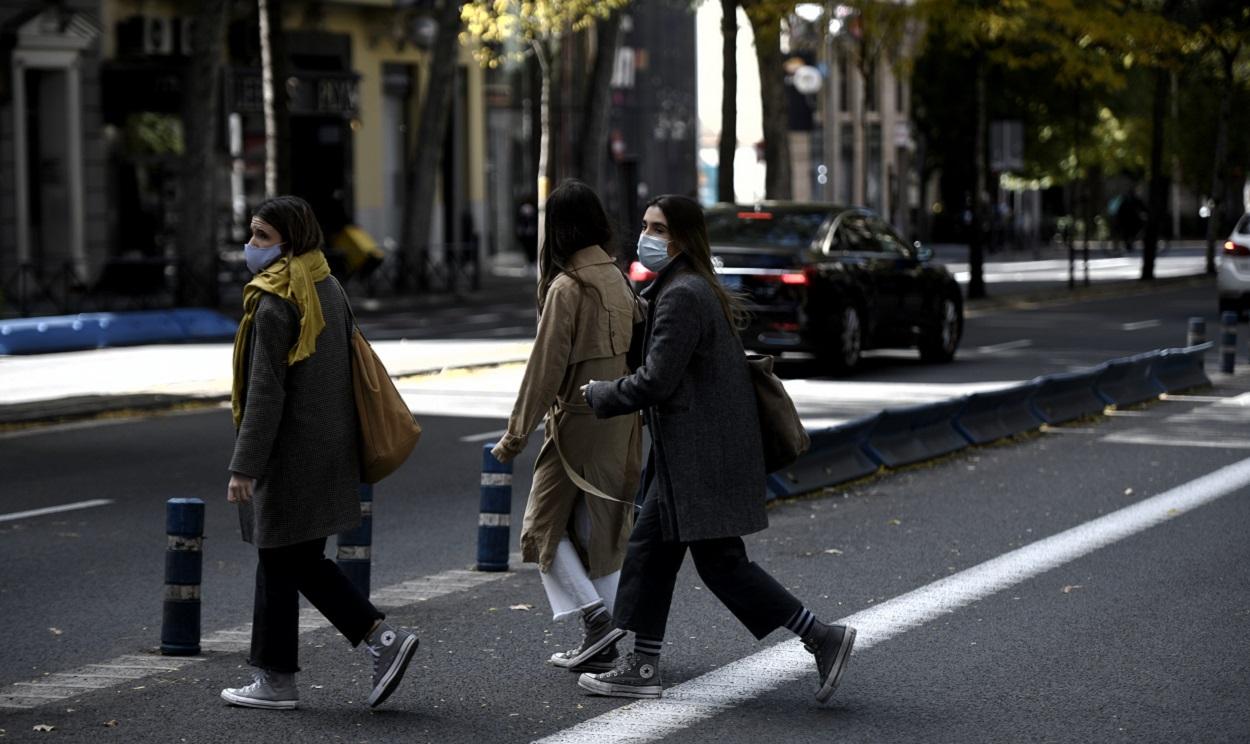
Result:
495,520
184,563
1228,343
355,547
1197,332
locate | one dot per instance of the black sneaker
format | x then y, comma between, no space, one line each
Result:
831,644
604,661
596,639
635,676
391,650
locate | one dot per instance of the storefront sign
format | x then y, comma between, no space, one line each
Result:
308,93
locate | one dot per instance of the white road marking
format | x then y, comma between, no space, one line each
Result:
1008,346
1141,325
486,437
703,697
1172,441
14,516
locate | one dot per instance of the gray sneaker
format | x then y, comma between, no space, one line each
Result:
391,650
272,690
635,676
831,645
604,661
595,640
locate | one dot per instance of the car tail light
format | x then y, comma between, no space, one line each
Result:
789,327
755,215
1236,249
640,273
796,278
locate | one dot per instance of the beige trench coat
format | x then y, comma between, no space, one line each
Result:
583,334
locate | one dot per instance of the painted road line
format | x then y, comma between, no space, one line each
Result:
1141,325
126,669
486,437
13,517
1008,346
703,697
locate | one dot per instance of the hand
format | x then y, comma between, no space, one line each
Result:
240,488
586,387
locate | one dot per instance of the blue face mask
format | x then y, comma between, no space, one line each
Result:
258,258
653,252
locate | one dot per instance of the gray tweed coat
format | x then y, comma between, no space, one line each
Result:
298,434
706,467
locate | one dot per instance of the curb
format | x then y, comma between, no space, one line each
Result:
1105,291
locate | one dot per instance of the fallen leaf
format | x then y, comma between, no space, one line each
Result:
833,551
55,631
1068,589
894,522
1128,492
522,607
111,724
43,728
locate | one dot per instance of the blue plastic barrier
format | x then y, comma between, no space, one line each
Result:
184,560
99,330
494,522
1228,342
908,435
993,415
1067,396
1127,381
355,547
836,456
1182,369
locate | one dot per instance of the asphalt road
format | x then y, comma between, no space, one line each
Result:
1141,640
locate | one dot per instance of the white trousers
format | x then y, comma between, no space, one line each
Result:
569,588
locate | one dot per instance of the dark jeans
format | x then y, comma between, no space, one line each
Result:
281,576
645,593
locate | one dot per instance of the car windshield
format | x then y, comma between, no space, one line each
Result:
795,230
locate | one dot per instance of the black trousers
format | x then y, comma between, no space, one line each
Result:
645,592
281,576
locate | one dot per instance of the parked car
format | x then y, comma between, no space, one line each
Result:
831,282
1234,277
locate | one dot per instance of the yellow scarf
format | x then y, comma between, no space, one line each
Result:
292,279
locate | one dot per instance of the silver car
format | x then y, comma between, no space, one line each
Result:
1234,280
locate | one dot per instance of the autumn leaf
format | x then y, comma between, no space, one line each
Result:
43,728
521,607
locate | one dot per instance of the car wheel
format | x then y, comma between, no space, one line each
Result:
939,342
844,354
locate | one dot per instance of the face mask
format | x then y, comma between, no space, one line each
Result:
653,252
258,258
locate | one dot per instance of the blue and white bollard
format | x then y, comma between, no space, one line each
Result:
1197,332
184,565
355,547
495,520
1228,343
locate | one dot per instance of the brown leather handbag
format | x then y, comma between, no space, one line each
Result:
388,430
783,434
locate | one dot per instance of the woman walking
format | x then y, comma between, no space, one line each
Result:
705,471
295,471
580,510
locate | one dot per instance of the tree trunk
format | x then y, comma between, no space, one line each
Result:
1221,148
546,61
767,27
976,242
424,166
197,208
1157,197
593,143
277,114
728,146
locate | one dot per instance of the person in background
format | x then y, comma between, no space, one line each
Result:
705,476
581,507
295,471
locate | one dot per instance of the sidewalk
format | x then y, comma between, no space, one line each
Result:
50,387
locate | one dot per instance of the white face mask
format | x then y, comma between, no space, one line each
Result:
258,258
653,252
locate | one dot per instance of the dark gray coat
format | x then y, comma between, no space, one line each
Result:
298,435
707,460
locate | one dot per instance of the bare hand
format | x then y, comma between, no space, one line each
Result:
586,387
240,488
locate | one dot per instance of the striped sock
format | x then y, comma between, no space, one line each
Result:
648,645
801,622
595,615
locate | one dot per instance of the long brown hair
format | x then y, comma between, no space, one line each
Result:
575,220
688,230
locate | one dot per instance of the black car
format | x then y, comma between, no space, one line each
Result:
831,281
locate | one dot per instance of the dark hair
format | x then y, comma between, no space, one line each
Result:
688,231
575,220
294,220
